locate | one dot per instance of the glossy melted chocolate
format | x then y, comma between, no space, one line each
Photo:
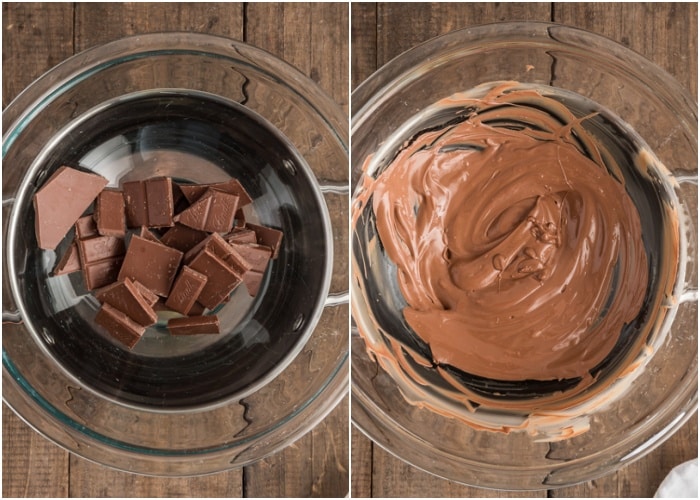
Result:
518,250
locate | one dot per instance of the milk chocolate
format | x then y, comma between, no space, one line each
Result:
194,325
61,201
267,236
147,234
186,289
109,215
99,248
69,262
85,227
213,212
150,297
102,273
153,264
222,250
221,279
119,325
149,203
253,280
257,256
195,191
241,235
126,297
182,237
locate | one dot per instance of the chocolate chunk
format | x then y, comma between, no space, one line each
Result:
146,234
195,191
188,285
218,246
69,262
102,273
126,297
197,309
253,280
153,264
150,297
182,237
61,201
257,256
119,325
267,236
221,279
241,235
149,203
109,213
213,212
85,227
194,325
92,250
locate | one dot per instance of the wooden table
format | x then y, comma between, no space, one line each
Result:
665,34
312,37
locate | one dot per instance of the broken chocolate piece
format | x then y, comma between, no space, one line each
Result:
195,191
197,309
109,213
119,325
153,264
182,237
92,250
150,297
85,227
102,273
146,234
257,256
69,262
221,279
61,201
253,280
213,212
267,236
194,325
241,235
149,203
125,296
188,285
222,250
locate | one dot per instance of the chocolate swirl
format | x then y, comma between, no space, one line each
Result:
518,251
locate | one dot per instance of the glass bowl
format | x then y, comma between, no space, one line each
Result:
400,396
199,109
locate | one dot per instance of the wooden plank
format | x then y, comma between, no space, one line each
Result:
98,23
35,37
401,26
31,465
364,42
361,477
664,33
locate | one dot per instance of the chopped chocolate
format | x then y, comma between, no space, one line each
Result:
188,285
182,237
241,235
146,234
257,256
221,279
149,203
222,250
126,297
85,227
69,262
197,309
61,201
92,250
150,297
194,325
109,213
153,264
102,273
213,212
267,236
195,191
252,280
119,325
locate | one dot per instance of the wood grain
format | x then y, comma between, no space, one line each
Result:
664,33
314,38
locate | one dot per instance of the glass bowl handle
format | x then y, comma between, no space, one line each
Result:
341,189
688,195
